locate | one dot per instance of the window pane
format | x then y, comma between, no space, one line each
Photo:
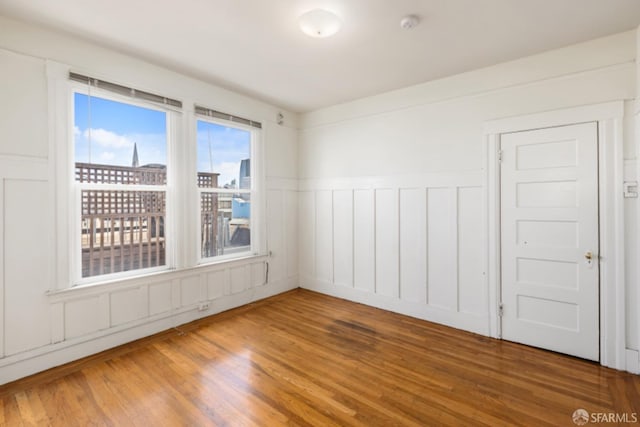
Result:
119,143
225,224
224,156
122,231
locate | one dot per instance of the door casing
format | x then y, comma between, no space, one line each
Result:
611,220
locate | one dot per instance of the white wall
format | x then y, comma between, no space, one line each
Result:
40,330
398,178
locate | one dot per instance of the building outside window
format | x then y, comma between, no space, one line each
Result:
131,210
224,157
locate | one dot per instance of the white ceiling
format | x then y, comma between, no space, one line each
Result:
255,46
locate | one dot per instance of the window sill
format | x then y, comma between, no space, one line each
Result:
103,287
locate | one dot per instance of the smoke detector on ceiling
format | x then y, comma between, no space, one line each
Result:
409,22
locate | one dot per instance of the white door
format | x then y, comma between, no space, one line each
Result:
549,242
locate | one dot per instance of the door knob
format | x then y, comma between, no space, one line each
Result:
589,257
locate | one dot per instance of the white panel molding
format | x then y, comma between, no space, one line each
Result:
87,290
377,236
470,178
216,284
413,223
24,168
387,249
275,233
364,243
472,270
290,229
62,351
160,295
14,168
57,323
104,313
324,243
343,235
612,281
454,225
442,246
307,232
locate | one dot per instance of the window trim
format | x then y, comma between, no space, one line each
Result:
181,218
258,244
76,188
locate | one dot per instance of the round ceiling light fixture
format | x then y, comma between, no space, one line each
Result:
409,22
319,23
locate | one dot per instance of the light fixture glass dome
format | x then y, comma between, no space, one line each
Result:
319,23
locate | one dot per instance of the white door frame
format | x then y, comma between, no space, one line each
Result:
609,117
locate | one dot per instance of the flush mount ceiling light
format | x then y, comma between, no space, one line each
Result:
319,23
409,22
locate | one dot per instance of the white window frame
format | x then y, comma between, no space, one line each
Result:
183,240
170,238
257,180
66,192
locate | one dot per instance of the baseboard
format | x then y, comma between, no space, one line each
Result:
633,361
468,322
28,363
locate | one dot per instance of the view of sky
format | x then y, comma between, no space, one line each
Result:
221,149
116,126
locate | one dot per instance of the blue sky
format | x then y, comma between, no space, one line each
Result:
115,127
228,147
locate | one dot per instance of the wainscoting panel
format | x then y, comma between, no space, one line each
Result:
410,245
306,234
81,317
275,234
413,245
159,298
128,305
290,227
386,214
442,242
343,237
40,328
471,297
190,291
364,241
27,240
324,236
239,279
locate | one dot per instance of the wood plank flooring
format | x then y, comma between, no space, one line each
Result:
302,358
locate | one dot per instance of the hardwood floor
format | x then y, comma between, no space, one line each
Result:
303,358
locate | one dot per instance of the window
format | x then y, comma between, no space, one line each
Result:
226,188
120,174
137,193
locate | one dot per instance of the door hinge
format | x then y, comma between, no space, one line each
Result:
630,189
499,155
500,310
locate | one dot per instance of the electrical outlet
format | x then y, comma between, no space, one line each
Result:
203,306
